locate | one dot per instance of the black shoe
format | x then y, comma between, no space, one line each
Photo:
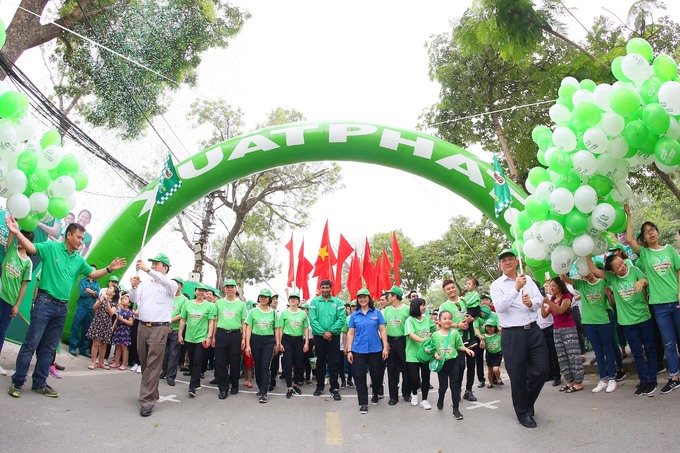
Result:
187,373
289,393
184,368
336,395
381,395
498,382
318,392
456,414
162,376
431,386
374,400
263,398
343,385
407,398
86,354
213,381
59,367
640,389
297,390
145,411
258,394
392,402
210,368
481,384
271,387
233,391
202,375
363,410
620,375
350,383
528,421
171,382
222,395
192,393
469,396
651,388
557,382
440,403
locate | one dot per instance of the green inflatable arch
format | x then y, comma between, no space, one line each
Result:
410,151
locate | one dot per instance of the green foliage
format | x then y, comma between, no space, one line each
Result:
411,270
225,121
250,262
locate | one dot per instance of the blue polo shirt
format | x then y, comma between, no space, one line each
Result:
366,335
85,299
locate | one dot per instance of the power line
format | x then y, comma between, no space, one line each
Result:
477,115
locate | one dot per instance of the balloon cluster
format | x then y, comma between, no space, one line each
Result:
36,177
600,133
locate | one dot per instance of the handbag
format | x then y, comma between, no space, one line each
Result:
436,365
425,351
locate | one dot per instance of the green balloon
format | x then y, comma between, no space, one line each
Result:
81,180
620,220
587,84
40,180
649,90
523,221
535,263
536,208
656,119
640,47
13,105
570,180
665,67
624,102
636,133
585,115
565,92
537,175
68,165
3,34
545,141
559,162
50,138
576,222
538,131
27,162
540,156
601,184
559,218
647,148
28,223
617,71
58,208
667,151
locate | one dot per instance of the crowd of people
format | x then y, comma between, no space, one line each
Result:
538,332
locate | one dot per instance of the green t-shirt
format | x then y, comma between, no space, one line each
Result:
176,310
395,320
4,235
345,329
262,323
15,271
455,343
631,307
38,234
422,329
458,315
60,269
594,301
471,299
661,267
197,318
479,322
230,315
294,324
493,342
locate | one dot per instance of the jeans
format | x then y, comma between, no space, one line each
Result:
48,317
5,311
81,322
641,340
614,329
668,320
600,338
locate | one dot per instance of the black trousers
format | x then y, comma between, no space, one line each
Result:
449,377
308,364
276,364
554,366
396,365
526,361
262,348
171,356
576,316
371,362
479,364
327,353
227,358
419,373
293,357
196,357
133,357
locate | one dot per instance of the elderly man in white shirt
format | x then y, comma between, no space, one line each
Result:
154,298
517,301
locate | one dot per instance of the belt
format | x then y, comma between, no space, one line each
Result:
64,302
229,331
154,324
524,327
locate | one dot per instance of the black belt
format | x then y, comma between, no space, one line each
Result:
154,324
229,331
63,302
524,327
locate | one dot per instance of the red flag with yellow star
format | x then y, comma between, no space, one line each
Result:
323,268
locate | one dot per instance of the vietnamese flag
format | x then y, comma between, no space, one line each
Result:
344,251
303,270
396,256
291,262
378,278
354,277
323,268
367,270
387,267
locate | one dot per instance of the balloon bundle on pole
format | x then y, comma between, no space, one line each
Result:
37,177
600,132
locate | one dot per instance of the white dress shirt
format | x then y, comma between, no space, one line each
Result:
154,297
508,302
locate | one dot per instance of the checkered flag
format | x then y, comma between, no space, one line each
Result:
169,182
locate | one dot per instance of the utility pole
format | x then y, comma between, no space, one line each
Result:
201,243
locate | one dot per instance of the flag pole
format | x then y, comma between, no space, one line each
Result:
148,219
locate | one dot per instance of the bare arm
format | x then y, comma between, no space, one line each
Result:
13,227
599,273
182,324
383,336
53,230
629,230
565,278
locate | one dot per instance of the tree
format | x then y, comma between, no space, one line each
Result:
168,37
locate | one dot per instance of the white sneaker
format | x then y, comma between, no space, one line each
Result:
138,369
3,372
600,386
425,405
133,368
611,386
414,400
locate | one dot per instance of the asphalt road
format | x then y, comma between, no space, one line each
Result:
98,411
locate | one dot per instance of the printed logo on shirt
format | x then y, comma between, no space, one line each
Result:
661,267
594,298
395,322
228,314
373,318
12,271
626,292
264,324
295,322
196,315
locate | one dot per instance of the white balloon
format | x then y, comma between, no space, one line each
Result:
646,159
636,67
601,245
559,113
72,200
552,231
596,140
39,202
585,199
584,163
583,96
669,97
603,216
535,250
9,151
569,80
544,190
50,157
510,215
63,186
16,181
8,133
562,258
614,169
621,192
602,95
618,148
583,245
3,169
674,129
25,128
561,201
582,266
19,205
530,188
666,168
612,124
548,153
564,138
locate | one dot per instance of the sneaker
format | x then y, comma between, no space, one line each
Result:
670,386
14,391
198,387
47,391
621,375
263,399
456,414
213,381
374,400
3,372
469,396
192,393
611,386
440,403
639,389
350,384
73,352
414,400
318,392
481,384
59,367
661,370
651,388
343,385
54,372
336,395
425,405
289,393
600,386
297,390
363,410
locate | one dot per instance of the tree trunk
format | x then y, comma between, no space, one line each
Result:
569,42
666,178
504,142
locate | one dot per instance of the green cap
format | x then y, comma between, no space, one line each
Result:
113,278
353,303
162,258
363,292
265,292
491,322
201,285
485,296
179,280
617,246
230,282
506,252
485,312
250,304
295,295
305,306
396,290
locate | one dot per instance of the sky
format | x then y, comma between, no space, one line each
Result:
354,60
